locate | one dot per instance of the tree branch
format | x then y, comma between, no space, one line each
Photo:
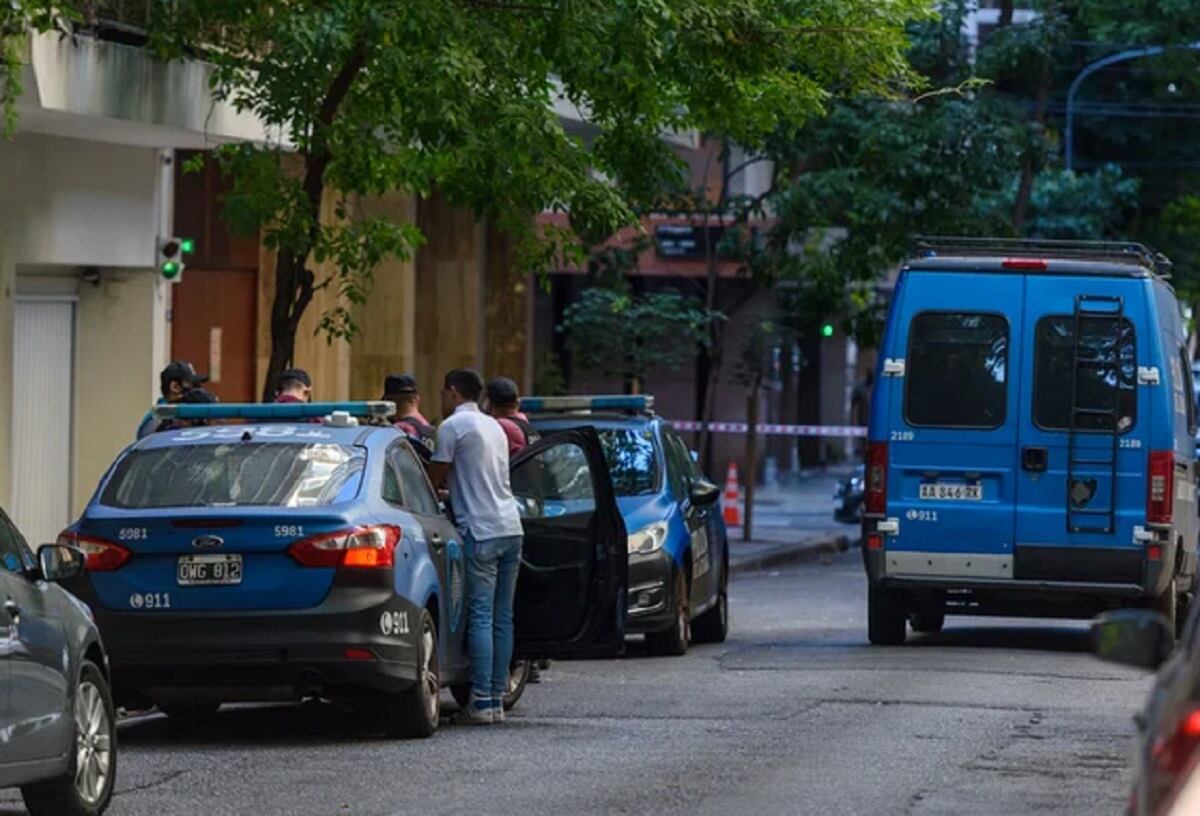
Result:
498,5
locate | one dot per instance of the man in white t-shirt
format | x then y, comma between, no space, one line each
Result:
472,450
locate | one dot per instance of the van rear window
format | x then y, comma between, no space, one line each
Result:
957,370
1099,373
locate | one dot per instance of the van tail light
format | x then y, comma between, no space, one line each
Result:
1172,752
99,555
1160,487
876,487
1026,264
359,547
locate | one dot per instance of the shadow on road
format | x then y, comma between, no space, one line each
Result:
1033,637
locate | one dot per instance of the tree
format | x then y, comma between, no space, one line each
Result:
619,334
459,95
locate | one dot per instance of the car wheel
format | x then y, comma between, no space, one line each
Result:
886,617
674,640
929,623
1167,605
87,786
713,625
415,714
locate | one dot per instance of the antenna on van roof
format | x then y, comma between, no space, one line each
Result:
1126,252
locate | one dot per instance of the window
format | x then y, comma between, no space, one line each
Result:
1189,386
14,553
555,482
391,483
957,370
632,459
679,463
1101,377
418,495
238,474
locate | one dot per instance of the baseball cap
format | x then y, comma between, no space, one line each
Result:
399,384
297,374
180,371
502,391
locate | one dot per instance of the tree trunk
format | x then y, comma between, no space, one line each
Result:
1006,13
751,476
295,283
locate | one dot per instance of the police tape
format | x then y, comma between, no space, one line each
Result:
770,429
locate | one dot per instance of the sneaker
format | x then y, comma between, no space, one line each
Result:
475,712
535,674
498,715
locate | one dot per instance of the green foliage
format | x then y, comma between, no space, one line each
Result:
753,363
619,334
1075,205
17,17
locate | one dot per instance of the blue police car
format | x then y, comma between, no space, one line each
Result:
283,559
678,548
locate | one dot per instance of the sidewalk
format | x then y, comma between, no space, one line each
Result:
793,523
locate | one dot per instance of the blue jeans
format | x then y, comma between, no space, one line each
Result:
492,567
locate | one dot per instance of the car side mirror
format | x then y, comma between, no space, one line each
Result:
59,562
1133,637
704,493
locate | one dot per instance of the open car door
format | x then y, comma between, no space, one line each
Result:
571,591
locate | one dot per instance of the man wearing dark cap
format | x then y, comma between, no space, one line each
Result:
294,386
193,396
174,381
504,404
402,390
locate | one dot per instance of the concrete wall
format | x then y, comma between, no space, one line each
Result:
82,204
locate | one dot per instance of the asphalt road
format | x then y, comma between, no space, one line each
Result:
794,715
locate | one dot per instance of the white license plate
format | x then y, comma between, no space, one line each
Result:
939,491
209,570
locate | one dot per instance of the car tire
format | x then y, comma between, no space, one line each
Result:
887,617
713,625
1168,606
416,713
83,791
929,623
674,640
518,679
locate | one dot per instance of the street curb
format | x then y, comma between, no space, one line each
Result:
807,550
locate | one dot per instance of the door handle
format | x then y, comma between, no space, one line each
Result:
13,609
436,541
1035,459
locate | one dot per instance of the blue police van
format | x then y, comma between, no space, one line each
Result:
284,558
678,547
1030,447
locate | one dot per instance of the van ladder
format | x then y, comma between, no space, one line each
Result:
1084,517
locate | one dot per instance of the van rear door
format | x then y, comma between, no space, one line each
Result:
953,425
1085,429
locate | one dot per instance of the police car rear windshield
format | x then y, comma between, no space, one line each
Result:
242,474
632,463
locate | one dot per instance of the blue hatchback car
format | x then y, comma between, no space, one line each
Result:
1031,441
678,549
286,559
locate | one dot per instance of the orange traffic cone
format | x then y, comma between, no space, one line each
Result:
733,507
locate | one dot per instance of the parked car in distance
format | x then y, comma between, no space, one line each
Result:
59,740
1168,742
848,497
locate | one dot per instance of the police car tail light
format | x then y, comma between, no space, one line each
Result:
99,555
1160,487
877,464
1172,753
360,547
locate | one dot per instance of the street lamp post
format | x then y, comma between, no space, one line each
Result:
1088,70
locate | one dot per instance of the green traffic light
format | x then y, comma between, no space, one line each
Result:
169,269
187,245
827,330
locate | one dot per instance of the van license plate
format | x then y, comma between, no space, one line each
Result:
951,492
209,570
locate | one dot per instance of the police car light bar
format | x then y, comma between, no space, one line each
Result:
639,403
274,411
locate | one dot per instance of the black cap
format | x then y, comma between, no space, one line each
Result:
297,374
199,396
180,371
399,384
502,391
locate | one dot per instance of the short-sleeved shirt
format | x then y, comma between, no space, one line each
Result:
517,437
477,449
